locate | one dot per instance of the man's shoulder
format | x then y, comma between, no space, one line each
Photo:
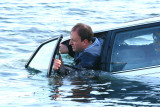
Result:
100,40
95,47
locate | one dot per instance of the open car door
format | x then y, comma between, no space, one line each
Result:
43,57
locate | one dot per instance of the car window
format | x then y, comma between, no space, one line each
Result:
136,49
42,58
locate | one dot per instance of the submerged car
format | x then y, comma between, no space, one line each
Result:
131,48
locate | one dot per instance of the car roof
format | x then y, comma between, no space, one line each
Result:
110,27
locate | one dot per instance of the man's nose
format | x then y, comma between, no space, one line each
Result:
70,42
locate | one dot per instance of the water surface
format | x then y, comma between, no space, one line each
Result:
24,24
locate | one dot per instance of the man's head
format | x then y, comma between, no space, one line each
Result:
81,37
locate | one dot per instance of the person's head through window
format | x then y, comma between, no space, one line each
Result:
81,37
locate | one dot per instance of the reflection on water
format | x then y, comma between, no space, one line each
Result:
24,24
80,87
104,89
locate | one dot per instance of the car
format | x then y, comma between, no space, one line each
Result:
131,48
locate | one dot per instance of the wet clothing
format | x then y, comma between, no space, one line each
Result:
89,58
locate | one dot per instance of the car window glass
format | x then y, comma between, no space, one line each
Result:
140,40
136,49
42,59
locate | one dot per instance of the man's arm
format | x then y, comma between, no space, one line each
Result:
63,49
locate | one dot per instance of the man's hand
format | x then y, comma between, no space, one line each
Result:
57,64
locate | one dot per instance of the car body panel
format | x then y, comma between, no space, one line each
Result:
153,71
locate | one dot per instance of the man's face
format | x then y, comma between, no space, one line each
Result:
76,43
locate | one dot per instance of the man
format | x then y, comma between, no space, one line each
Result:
86,48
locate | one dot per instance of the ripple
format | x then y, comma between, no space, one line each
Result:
6,74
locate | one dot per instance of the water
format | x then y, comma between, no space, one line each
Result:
24,24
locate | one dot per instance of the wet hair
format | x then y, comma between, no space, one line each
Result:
84,31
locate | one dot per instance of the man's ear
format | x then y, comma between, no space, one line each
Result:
85,41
